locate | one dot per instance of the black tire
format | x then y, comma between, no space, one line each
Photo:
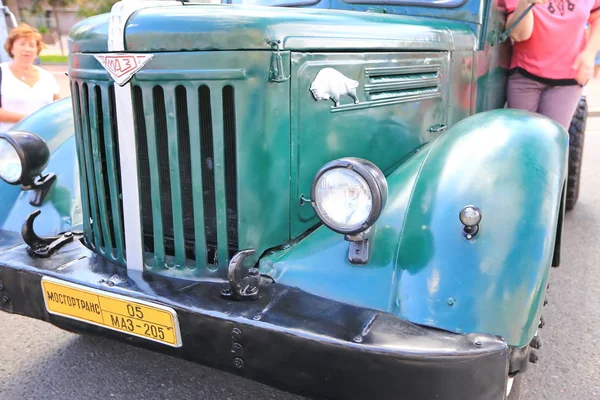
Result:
576,138
515,393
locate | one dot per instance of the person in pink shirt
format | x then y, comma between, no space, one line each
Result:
552,57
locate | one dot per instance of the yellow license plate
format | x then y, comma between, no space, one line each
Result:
120,313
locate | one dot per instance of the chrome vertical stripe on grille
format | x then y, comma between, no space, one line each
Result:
120,13
129,173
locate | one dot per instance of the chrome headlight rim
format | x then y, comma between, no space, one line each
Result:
33,153
375,181
5,142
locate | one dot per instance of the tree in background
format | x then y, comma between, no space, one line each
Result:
88,8
38,6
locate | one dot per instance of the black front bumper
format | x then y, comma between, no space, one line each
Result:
287,338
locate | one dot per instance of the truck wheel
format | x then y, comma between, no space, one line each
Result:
513,391
576,136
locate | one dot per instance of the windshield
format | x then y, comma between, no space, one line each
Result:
274,3
288,3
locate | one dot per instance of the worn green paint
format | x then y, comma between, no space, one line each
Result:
419,257
87,228
159,241
261,172
381,134
225,27
196,163
97,172
87,151
174,173
90,35
216,100
110,149
509,163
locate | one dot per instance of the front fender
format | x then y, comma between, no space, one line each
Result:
509,163
61,210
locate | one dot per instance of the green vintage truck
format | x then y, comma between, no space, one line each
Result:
325,196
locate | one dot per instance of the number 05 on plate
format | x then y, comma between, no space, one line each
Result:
120,313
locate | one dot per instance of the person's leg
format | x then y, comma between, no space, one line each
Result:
560,102
523,93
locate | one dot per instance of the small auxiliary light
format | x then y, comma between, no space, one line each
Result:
470,217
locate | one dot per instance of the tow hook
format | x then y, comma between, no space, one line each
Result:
241,287
45,247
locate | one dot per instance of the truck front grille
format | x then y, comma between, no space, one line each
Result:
188,203
187,212
99,171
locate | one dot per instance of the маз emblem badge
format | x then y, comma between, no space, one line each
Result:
122,66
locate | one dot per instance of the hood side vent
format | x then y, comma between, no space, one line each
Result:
399,84
404,81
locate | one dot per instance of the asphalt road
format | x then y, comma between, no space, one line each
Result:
39,361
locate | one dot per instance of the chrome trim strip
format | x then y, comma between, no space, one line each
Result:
405,69
129,178
390,86
134,253
386,102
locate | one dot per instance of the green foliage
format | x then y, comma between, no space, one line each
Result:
53,59
89,8
38,6
43,30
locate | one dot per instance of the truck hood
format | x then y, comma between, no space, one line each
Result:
198,27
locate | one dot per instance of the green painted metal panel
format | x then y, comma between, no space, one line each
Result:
196,163
216,100
401,95
173,151
90,35
76,93
155,191
93,196
419,255
98,168
262,137
112,163
216,27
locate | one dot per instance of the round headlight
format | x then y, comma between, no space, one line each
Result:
11,168
23,156
348,194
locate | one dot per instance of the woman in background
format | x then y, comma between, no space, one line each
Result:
552,56
24,87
